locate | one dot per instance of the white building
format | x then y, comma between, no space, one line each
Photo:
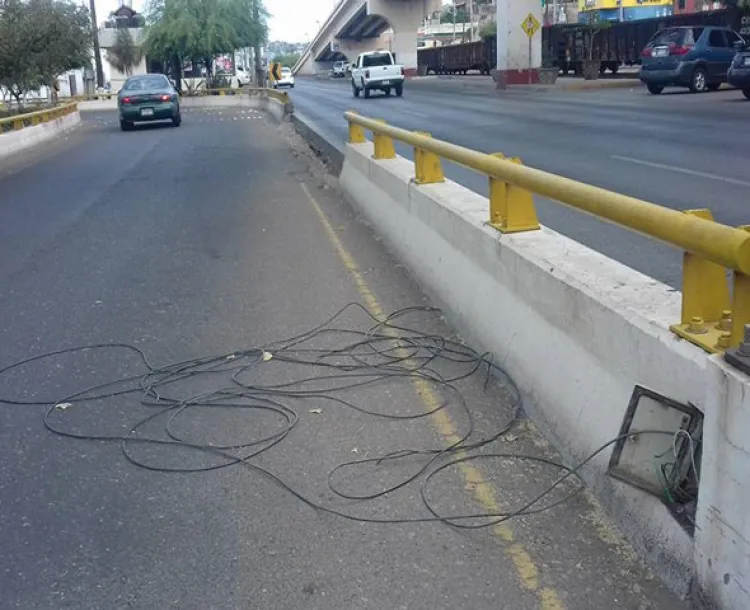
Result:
123,18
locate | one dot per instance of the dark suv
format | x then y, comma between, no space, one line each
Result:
739,72
697,57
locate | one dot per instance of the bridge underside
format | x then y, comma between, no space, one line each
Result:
361,27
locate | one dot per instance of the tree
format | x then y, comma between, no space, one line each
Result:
446,16
201,29
488,30
287,59
124,55
39,41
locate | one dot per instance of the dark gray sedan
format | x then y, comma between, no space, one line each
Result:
146,98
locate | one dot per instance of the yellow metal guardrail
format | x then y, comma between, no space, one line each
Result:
28,119
712,317
282,96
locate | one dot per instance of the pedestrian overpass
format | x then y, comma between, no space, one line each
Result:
356,26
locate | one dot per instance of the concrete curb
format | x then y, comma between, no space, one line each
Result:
489,89
623,83
13,142
331,153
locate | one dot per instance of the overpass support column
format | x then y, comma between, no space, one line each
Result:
405,17
518,62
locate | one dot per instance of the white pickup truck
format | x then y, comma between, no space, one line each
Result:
377,70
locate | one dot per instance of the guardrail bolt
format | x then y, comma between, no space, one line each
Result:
726,320
697,326
725,340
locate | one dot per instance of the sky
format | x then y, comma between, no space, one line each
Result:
290,21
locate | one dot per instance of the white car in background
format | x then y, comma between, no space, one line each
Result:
243,76
287,79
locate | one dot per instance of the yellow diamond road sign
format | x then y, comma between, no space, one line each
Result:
530,25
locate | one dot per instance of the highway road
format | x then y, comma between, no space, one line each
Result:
219,239
679,150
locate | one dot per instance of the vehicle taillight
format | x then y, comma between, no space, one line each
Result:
126,100
367,74
680,50
166,98
402,70
646,52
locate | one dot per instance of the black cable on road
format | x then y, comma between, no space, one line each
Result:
386,352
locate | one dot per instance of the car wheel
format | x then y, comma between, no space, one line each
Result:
746,92
713,86
355,91
126,125
176,121
655,89
400,90
698,83
367,93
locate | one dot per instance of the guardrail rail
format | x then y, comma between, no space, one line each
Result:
713,317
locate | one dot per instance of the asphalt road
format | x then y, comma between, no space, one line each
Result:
202,241
679,150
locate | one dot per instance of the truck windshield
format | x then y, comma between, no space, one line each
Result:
376,59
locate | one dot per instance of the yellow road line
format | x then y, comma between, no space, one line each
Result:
481,489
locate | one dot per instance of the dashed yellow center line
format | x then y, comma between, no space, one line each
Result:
482,491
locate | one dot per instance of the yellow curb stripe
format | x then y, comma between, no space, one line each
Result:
481,489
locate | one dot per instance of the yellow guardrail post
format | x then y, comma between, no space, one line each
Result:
511,208
740,303
384,148
427,166
18,124
706,314
356,134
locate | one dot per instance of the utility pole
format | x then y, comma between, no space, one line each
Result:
97,50
256,48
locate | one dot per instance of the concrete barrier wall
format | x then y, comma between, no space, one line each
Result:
276,108
574,328
722,549
13,142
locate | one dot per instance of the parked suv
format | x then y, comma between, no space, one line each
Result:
739,72
696,57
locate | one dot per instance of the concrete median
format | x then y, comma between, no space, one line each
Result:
578,331
14,141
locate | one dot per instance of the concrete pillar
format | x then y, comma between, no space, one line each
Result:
518,62
405,17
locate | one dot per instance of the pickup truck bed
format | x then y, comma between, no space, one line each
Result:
377,71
